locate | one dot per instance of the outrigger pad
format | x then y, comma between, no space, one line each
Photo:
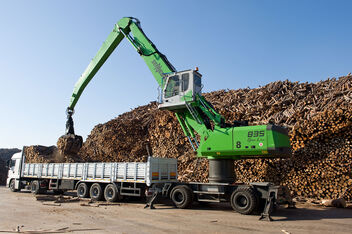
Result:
69,144
269,205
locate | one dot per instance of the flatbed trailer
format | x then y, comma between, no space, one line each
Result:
252,198
154,178
97,180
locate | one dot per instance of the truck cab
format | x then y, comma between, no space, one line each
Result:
14,171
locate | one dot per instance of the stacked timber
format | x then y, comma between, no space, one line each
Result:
42,154
47,154
125,138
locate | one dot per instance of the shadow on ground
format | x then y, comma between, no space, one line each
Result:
312,214
281,214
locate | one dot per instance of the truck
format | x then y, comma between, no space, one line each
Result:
112,181
209,134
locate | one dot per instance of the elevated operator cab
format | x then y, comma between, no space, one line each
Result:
180,89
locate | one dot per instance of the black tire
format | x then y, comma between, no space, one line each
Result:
182,196
12,186
96,192
244,200
111,193
35,188
82,190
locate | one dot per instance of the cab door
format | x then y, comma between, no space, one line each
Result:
14,168
172,90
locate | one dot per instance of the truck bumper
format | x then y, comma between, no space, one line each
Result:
8,182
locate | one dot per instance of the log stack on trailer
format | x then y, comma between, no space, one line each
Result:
48,154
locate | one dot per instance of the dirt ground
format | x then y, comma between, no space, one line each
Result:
32,216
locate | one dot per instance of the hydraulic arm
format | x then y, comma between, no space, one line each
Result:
205,128
156,61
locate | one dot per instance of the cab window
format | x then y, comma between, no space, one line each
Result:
12,164
197,81
185,82
172,87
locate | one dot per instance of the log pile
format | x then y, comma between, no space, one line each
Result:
42,154
321,140
318,116
47,154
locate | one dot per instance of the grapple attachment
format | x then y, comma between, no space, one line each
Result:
69,144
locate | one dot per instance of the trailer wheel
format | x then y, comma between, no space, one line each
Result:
111,193
96,192
182,196
82,190
13,186
35,187
244,200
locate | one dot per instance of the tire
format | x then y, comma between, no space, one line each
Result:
96,192
13,186
182,196
82,190
244,200
111,193
35,188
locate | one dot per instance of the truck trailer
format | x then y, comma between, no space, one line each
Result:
112,181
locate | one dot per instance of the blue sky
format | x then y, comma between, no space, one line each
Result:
46,45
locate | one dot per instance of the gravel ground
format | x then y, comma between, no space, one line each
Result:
31,216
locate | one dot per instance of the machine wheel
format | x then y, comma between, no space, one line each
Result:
244,200
35,187
96,192
182,196
82,190
111,193
12,186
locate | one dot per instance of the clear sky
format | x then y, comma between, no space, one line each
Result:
46,45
